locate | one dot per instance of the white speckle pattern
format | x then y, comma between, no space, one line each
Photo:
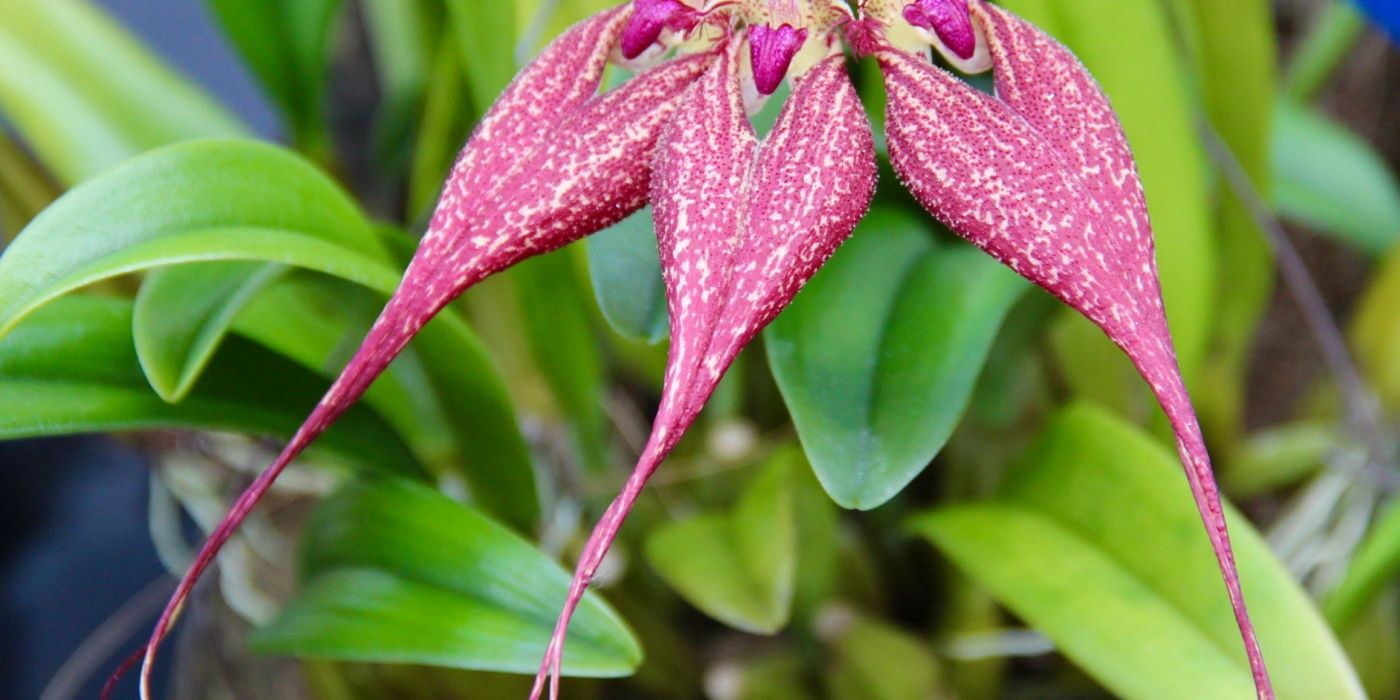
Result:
1042,178
741,227
551,162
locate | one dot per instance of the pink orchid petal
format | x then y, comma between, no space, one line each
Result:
553,161
1041,177
741,226
949,19
771,52
650,18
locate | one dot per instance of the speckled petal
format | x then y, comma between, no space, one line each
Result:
551,162
741,226
1041,177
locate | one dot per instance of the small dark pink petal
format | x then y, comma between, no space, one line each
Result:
949,19
1041,177
741,227
551,162
649,19
771,51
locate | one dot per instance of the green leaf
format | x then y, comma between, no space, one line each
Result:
86,95
1096,543
877,661
1372,569
737,567
1375,331
399,573
182,314
1333,30
1280,456
204,201
72,369
558,325
1236,75
878,356
485,35
286,44
444,127
1328,178
625,267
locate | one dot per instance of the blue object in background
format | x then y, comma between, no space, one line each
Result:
1386,14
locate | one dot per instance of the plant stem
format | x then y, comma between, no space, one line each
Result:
1364,418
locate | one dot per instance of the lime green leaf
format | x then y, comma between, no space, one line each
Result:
400,573
1097,544
626,271
183,312
878,356
1372,569
1235,70
444,127
204,201
286,46
85,95
876,661
72,369
1328,178
485,35
1375,332
737,567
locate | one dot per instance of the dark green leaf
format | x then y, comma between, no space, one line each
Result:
183,312
286,46
878,356
558,325
85,95
1096,543
72,369
1328,178
400,573
625,267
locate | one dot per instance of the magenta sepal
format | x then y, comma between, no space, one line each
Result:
742,226
1041,177
949,19
650,18
551,162
771,52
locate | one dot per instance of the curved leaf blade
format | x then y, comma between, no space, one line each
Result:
198,201
72,369
1093,544
625,268
878,356
402,573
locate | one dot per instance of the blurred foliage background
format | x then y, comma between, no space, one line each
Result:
927,481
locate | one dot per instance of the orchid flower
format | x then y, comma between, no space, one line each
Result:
1039,175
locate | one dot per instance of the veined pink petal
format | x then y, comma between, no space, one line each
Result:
1041,177
741,226
553,161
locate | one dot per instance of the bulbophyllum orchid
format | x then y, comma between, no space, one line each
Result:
1039,175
